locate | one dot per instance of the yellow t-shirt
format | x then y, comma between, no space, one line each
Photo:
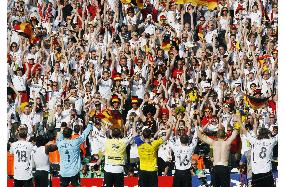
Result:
115,151
148,153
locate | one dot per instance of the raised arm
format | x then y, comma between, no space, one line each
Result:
204,138
233,136
85,133
194,139
169,132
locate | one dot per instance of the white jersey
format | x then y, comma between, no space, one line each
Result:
245,144
97,140
40,159
261,153
164,151
22,151
183,153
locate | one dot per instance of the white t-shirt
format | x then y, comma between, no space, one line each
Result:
138,89
19,82
209,36
97,141
105,88
245,144
183,153
266,86
256,17
22,151
27,120
40,159
164,151
261,153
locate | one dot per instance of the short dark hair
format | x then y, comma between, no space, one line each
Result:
77,129
221,134
263,133
67,132
63,124
40,141
146,133
116,133
184,139
23,133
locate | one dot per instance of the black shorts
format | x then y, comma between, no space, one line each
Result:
148,179
220,176
182,178
262,180
41,178
23,183
75,181
162,166
113,179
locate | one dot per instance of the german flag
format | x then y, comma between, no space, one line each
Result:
110,119
125,1
166,43
140,4
211,4
24,100
255,103
263,58
26,29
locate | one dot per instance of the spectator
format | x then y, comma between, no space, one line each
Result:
71,62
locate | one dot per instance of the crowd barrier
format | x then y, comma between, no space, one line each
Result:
133,181
165,181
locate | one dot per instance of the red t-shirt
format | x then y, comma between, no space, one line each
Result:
34,66
93,11
235,145
177,72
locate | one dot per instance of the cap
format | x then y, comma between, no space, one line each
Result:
163,17
165,111
117,77
134,100
115,99
206,85
238,83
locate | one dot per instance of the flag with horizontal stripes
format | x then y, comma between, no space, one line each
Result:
125,1
255,103
211,4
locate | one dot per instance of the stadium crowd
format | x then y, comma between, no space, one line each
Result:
169,68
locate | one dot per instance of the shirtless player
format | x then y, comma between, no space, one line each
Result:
221,148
